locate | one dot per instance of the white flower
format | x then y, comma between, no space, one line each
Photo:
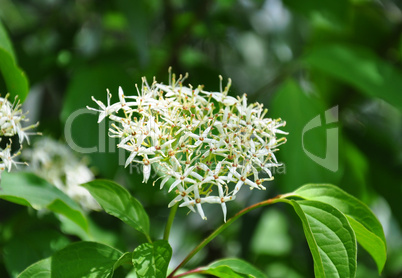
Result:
202,138
105,110
11,118
7,159
181,178
147,163
209,143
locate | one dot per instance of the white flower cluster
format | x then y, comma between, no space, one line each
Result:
56,163
209,143
11,117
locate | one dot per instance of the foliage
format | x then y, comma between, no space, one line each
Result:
330,236
331,70
13,76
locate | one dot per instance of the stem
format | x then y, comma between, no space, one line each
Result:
148,238
222,228
170,222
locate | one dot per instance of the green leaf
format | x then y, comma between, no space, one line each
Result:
152,259
239,266
14,77
84,259
360,68
27,248
117,201
330,237
41,269
76,215
223,271
5,42
126,258
30,190
368,229
96,232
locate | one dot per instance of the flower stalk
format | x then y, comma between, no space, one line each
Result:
169,222
221,228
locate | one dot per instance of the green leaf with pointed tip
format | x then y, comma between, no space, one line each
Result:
239,266
41,269
14,77
368,229
330,237
152,259
63,208
117,201
84,259
30,190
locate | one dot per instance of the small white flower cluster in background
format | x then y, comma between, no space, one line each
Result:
11,118
209,143
56,163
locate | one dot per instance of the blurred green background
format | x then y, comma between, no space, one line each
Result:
299,58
